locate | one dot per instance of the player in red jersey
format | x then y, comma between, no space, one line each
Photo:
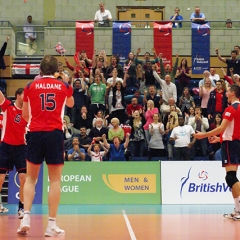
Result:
230,138
43,108
13,146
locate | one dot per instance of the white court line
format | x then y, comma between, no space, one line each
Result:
132,235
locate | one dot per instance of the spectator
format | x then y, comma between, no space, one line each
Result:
156,131
232,62
229,23
206,75
130,66
114,63
83,119
182,135
140,77
82,56
168,70
132,107
149,78
197,16
30,36
67,130
97,92
76,153
61,73
186,101
154,96
230,80
213,75
204,93
199,124
151,110
183,76
84,139
100,114
137,137
99,62
217,101
176,17
97,131
75,69
116,149
103,16
190,115
116,130
137,95
96,155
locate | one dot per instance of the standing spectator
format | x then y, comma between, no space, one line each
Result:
76,153
197,16
176,17
2,52
132,107
156,130
199,124
30,36
190,115
151,110
186,101
97,92
116,130
103,16
204,93
13,145
213,75
116,149
149,78
183,76
45,139
61,73
232,62
130,66
217,101
82,56
114,63
182,135
137,137
168,70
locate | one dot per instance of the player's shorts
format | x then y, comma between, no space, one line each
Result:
13,156
48,146
230,153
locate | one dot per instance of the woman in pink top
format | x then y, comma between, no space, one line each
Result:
151,110
204,93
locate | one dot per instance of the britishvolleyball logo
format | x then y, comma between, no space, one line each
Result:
125,28
201,183
87,28
203,29
166,29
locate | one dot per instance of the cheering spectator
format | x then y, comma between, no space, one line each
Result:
116,130
132,107
186,101
190,115
154,96
83,119
96,155
100,115
114,63
76,153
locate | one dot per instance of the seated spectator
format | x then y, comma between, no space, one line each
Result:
168,70
132,107
182,135
152,94
137,137
66,130
199,123
83,119
96,155
151,110
118,102
156,131
213,75
85,141
137,94
116,130
204,93
97,131
76,153
183,76
189,115
100,115
186,101
116,149
229,23
206,75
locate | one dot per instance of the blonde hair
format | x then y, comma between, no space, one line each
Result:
116,120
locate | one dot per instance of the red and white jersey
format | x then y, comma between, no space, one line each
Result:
13,125
97,157
46,99
232,114
1,119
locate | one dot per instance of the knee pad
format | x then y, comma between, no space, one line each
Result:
231,178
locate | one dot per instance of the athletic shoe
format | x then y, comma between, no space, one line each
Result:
3,209
24,226
54,231
231,215
236,217
20,213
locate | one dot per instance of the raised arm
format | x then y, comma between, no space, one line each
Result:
126,141
219,56
106,144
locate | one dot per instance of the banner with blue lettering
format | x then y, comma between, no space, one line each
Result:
200,47
121,40
13,187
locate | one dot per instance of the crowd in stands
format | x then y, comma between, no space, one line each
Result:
140,110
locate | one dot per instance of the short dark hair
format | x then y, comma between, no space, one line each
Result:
29,16
49,65
234,51
19,91
236,89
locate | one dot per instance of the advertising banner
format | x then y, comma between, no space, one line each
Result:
13,187
194,182
85,37
162,33
121,44
108,183
200,47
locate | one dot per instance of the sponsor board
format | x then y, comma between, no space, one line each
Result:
108,183
201,182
